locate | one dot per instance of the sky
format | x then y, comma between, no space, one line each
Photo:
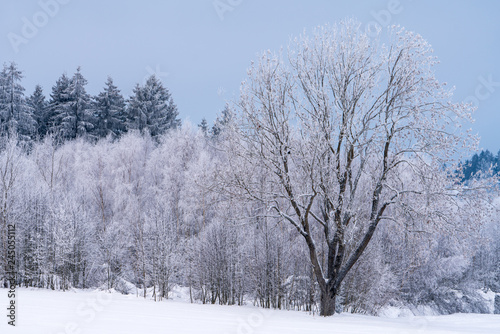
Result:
201,49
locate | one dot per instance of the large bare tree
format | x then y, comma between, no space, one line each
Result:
352,133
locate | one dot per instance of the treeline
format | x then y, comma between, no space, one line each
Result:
142,214
70,112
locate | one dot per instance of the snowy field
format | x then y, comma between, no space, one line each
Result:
44,312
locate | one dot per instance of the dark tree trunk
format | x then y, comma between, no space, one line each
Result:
327,302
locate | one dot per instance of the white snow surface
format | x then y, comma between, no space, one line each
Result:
77,311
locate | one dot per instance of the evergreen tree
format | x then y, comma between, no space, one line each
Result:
59,104
71,107
80,103
109,112
152,108
221,121
203,126
15,116
39,107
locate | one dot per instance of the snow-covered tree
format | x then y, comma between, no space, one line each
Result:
353,133
15,116
109,112
151,108
203,126
11,164
71,115
58,105
36,102
221,122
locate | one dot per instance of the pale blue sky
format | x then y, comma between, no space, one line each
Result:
202,58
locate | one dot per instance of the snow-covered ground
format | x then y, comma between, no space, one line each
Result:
44,312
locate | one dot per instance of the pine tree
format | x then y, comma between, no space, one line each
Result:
80,103
58,106
39,107
71,112
15,116
203,126
152,108
221,121
109,112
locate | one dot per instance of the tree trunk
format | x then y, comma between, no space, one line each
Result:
327,303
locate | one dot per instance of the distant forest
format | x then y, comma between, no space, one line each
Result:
480,163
